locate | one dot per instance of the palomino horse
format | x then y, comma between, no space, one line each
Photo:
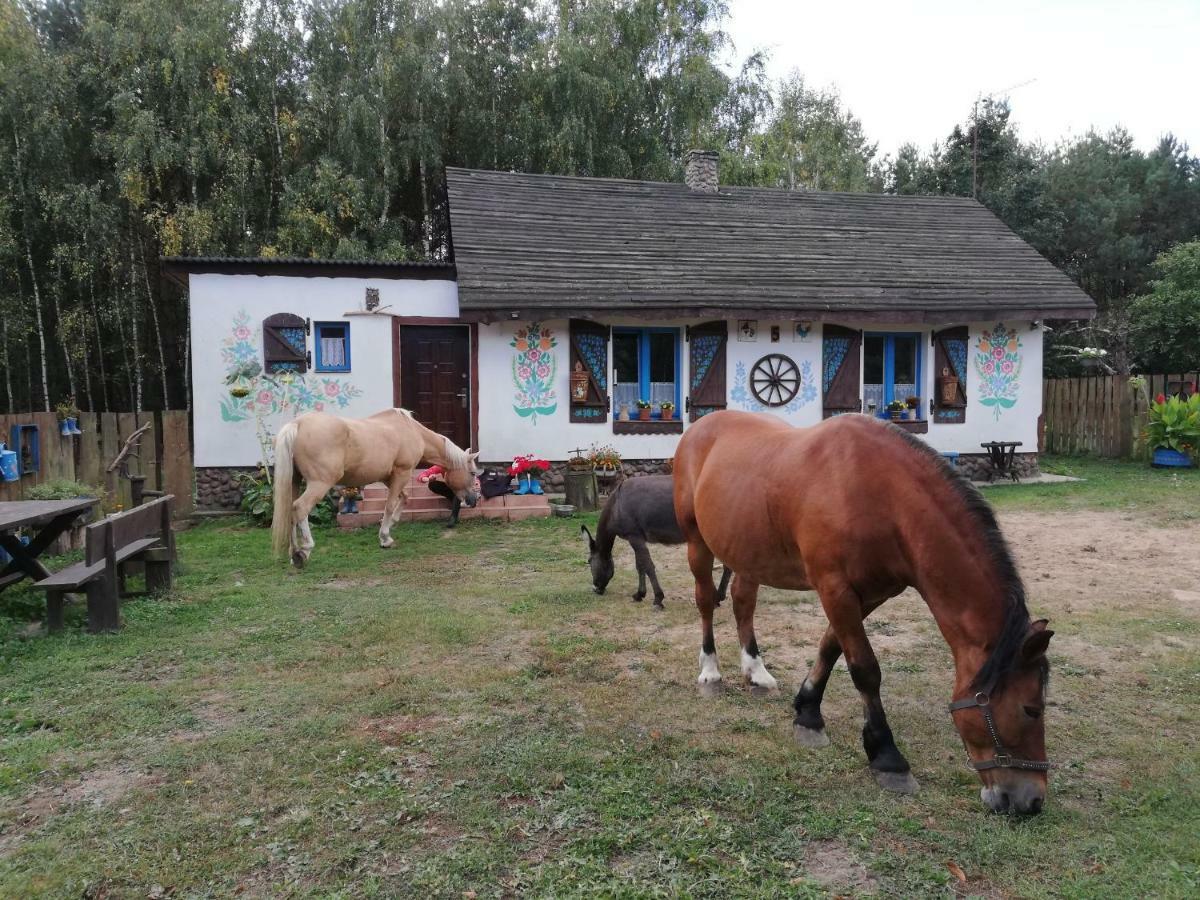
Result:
325,450
859,510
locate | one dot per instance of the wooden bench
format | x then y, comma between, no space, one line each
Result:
143,534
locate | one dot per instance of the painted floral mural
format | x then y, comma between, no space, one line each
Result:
533,370
253,393
998,363
741,395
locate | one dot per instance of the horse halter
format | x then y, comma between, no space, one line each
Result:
1003,759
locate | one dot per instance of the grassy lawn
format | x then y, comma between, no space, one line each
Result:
461,716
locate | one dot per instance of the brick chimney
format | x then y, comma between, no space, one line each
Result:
700,170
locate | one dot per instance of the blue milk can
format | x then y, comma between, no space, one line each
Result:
8,465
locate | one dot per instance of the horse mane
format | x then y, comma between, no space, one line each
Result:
456,457
1005,654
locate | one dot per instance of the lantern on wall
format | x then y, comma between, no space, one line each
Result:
579,384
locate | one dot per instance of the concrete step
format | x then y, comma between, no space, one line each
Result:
508,507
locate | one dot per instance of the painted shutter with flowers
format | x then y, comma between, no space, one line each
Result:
706,364
589,349
285,346
840,369
950,375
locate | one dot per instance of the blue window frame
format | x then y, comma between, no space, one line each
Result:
333,346
646,367
891,367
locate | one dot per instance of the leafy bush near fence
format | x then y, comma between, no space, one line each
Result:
63,489
258,501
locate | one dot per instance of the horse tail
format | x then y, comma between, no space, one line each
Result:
285,489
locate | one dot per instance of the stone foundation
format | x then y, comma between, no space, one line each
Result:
976,466
217,488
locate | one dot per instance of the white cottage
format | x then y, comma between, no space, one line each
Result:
571,301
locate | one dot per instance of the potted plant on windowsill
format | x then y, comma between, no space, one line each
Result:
643,408
1173,431
668,410
896,410
914,407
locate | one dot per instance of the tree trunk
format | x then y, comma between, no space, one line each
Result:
162,357
99,340
41,329
62,332
133,325
7,366
37,297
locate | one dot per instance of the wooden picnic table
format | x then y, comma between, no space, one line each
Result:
49,519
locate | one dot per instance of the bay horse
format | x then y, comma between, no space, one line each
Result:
858,510
326,450
642,511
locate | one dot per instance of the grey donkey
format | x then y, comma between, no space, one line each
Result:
642,511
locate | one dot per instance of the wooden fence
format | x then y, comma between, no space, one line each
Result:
164,458
1101,415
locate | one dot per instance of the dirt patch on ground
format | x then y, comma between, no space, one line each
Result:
1086,561
98,787
832,865
395,730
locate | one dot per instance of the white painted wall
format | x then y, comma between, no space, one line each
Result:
504,434
226,316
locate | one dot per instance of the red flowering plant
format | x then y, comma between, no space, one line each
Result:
530,465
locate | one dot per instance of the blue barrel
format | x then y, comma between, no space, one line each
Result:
8,465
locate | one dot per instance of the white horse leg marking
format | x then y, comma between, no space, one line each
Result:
756,673
306,539
385,525
709,672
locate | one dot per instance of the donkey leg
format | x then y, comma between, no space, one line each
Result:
745,598
700,560
645,566
302,540
397,493
640,557
844,610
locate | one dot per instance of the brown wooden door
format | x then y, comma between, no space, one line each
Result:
435,378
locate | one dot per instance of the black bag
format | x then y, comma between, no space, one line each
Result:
494,484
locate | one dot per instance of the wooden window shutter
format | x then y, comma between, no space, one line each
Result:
706,365
950,375
840,369
589,348
285,348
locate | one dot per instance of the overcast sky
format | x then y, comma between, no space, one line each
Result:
910,70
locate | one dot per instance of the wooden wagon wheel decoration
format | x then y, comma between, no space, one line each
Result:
774,380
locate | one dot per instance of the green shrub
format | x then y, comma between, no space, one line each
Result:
63,489
258,501
1174,423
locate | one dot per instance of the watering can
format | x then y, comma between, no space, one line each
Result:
8,465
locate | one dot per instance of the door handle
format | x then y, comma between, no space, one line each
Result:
462,395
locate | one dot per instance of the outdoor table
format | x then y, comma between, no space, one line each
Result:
1001,455
49,519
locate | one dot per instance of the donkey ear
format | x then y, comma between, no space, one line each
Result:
1036,641
591,541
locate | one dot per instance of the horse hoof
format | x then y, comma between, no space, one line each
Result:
812,738
658,606
383,546
637,598
709,688
299,559
897,782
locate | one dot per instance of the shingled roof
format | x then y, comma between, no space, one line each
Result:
561,246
